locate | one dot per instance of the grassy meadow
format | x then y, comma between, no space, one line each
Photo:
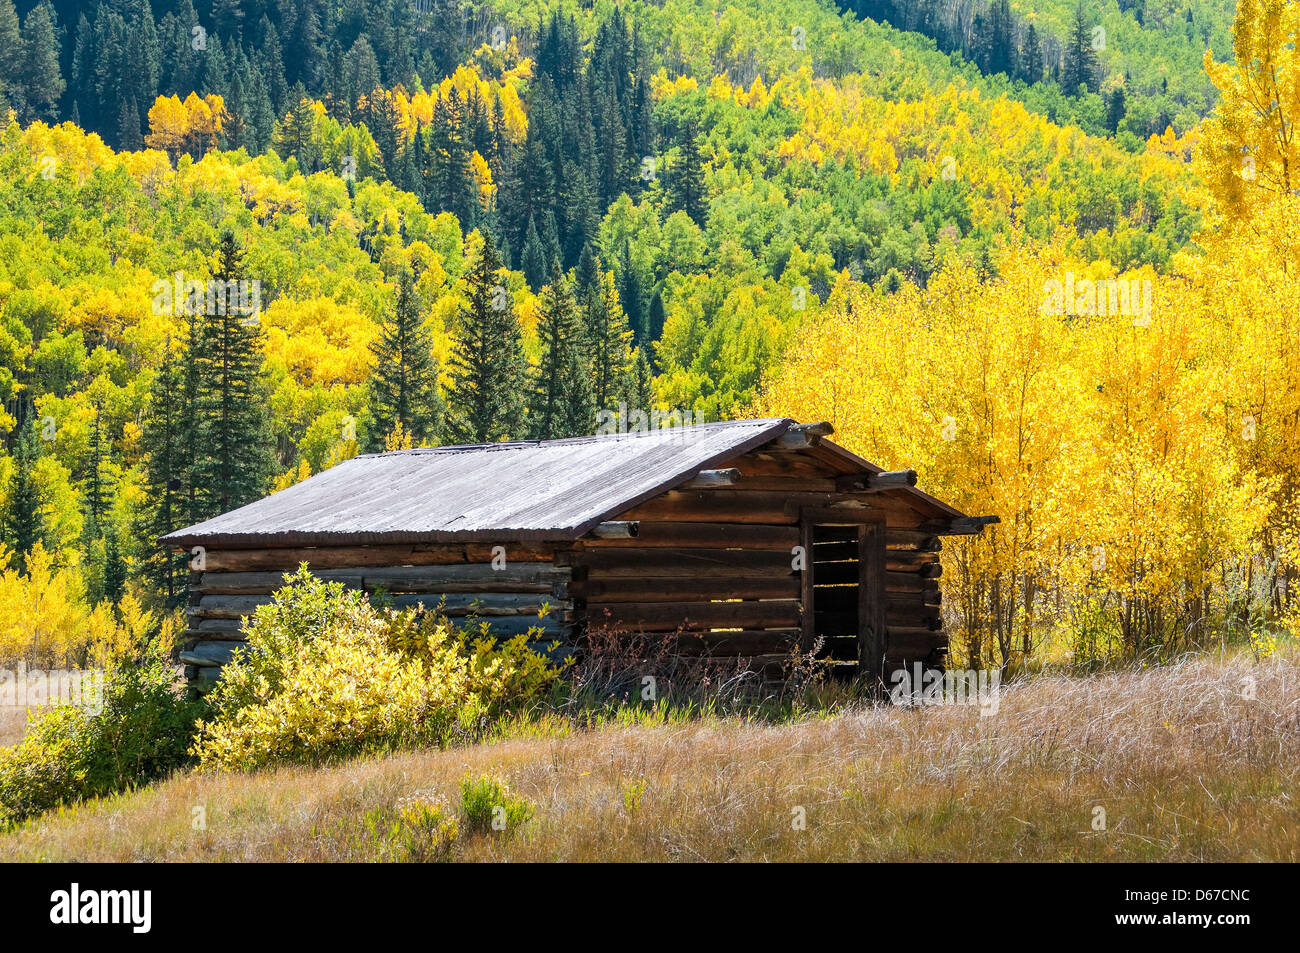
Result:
1194,761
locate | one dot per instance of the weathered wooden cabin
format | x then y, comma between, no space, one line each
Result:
750,537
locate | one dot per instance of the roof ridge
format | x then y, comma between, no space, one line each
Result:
570,441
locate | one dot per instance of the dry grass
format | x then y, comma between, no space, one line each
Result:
1185,766
13,724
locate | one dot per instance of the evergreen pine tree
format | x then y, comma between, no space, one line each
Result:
94,483
404,382
1031,57
686,181
557,327
166,441
534,258
114,577
1116,107
640,392
630,296
587,275
655,322
234,459
484,399
578,408
129,136
1080,66
24,527
40,78
11,55
608,343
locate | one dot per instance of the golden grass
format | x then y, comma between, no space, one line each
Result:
1185,766
13,724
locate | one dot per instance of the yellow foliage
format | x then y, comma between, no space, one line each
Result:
327,675
42,613
1109,445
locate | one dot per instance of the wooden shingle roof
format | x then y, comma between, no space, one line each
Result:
524,490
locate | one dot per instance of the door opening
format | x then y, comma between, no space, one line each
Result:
836,571
846,591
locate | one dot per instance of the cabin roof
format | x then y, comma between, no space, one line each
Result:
521,490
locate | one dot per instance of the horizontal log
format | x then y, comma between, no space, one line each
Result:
507,627
712,535
731,505
962,526
686,588
210,653
261,583
909,582
792,441
710,478
877,482
227,607
685,562
195,636
479,577
927,599
336,557
614,529
482,604
475,577
213,626
911,539
786,484
819,428
732,643
455,605
660,616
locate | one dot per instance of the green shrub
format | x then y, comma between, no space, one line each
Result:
143,733
417,830
328,675
488,805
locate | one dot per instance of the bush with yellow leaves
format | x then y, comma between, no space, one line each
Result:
327,675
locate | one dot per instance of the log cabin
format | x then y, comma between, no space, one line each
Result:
748,538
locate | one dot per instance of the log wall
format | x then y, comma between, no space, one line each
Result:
736,542
234,582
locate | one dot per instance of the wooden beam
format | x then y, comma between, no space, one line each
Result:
664,535
341,557
708,478
877,482
669,616
793,441
686,588
962,526
806,587
871,603
915,540
642,563
615,529
473,577
821,428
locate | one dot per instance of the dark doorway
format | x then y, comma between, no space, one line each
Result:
846,564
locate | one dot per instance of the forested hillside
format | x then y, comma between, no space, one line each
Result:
244,241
